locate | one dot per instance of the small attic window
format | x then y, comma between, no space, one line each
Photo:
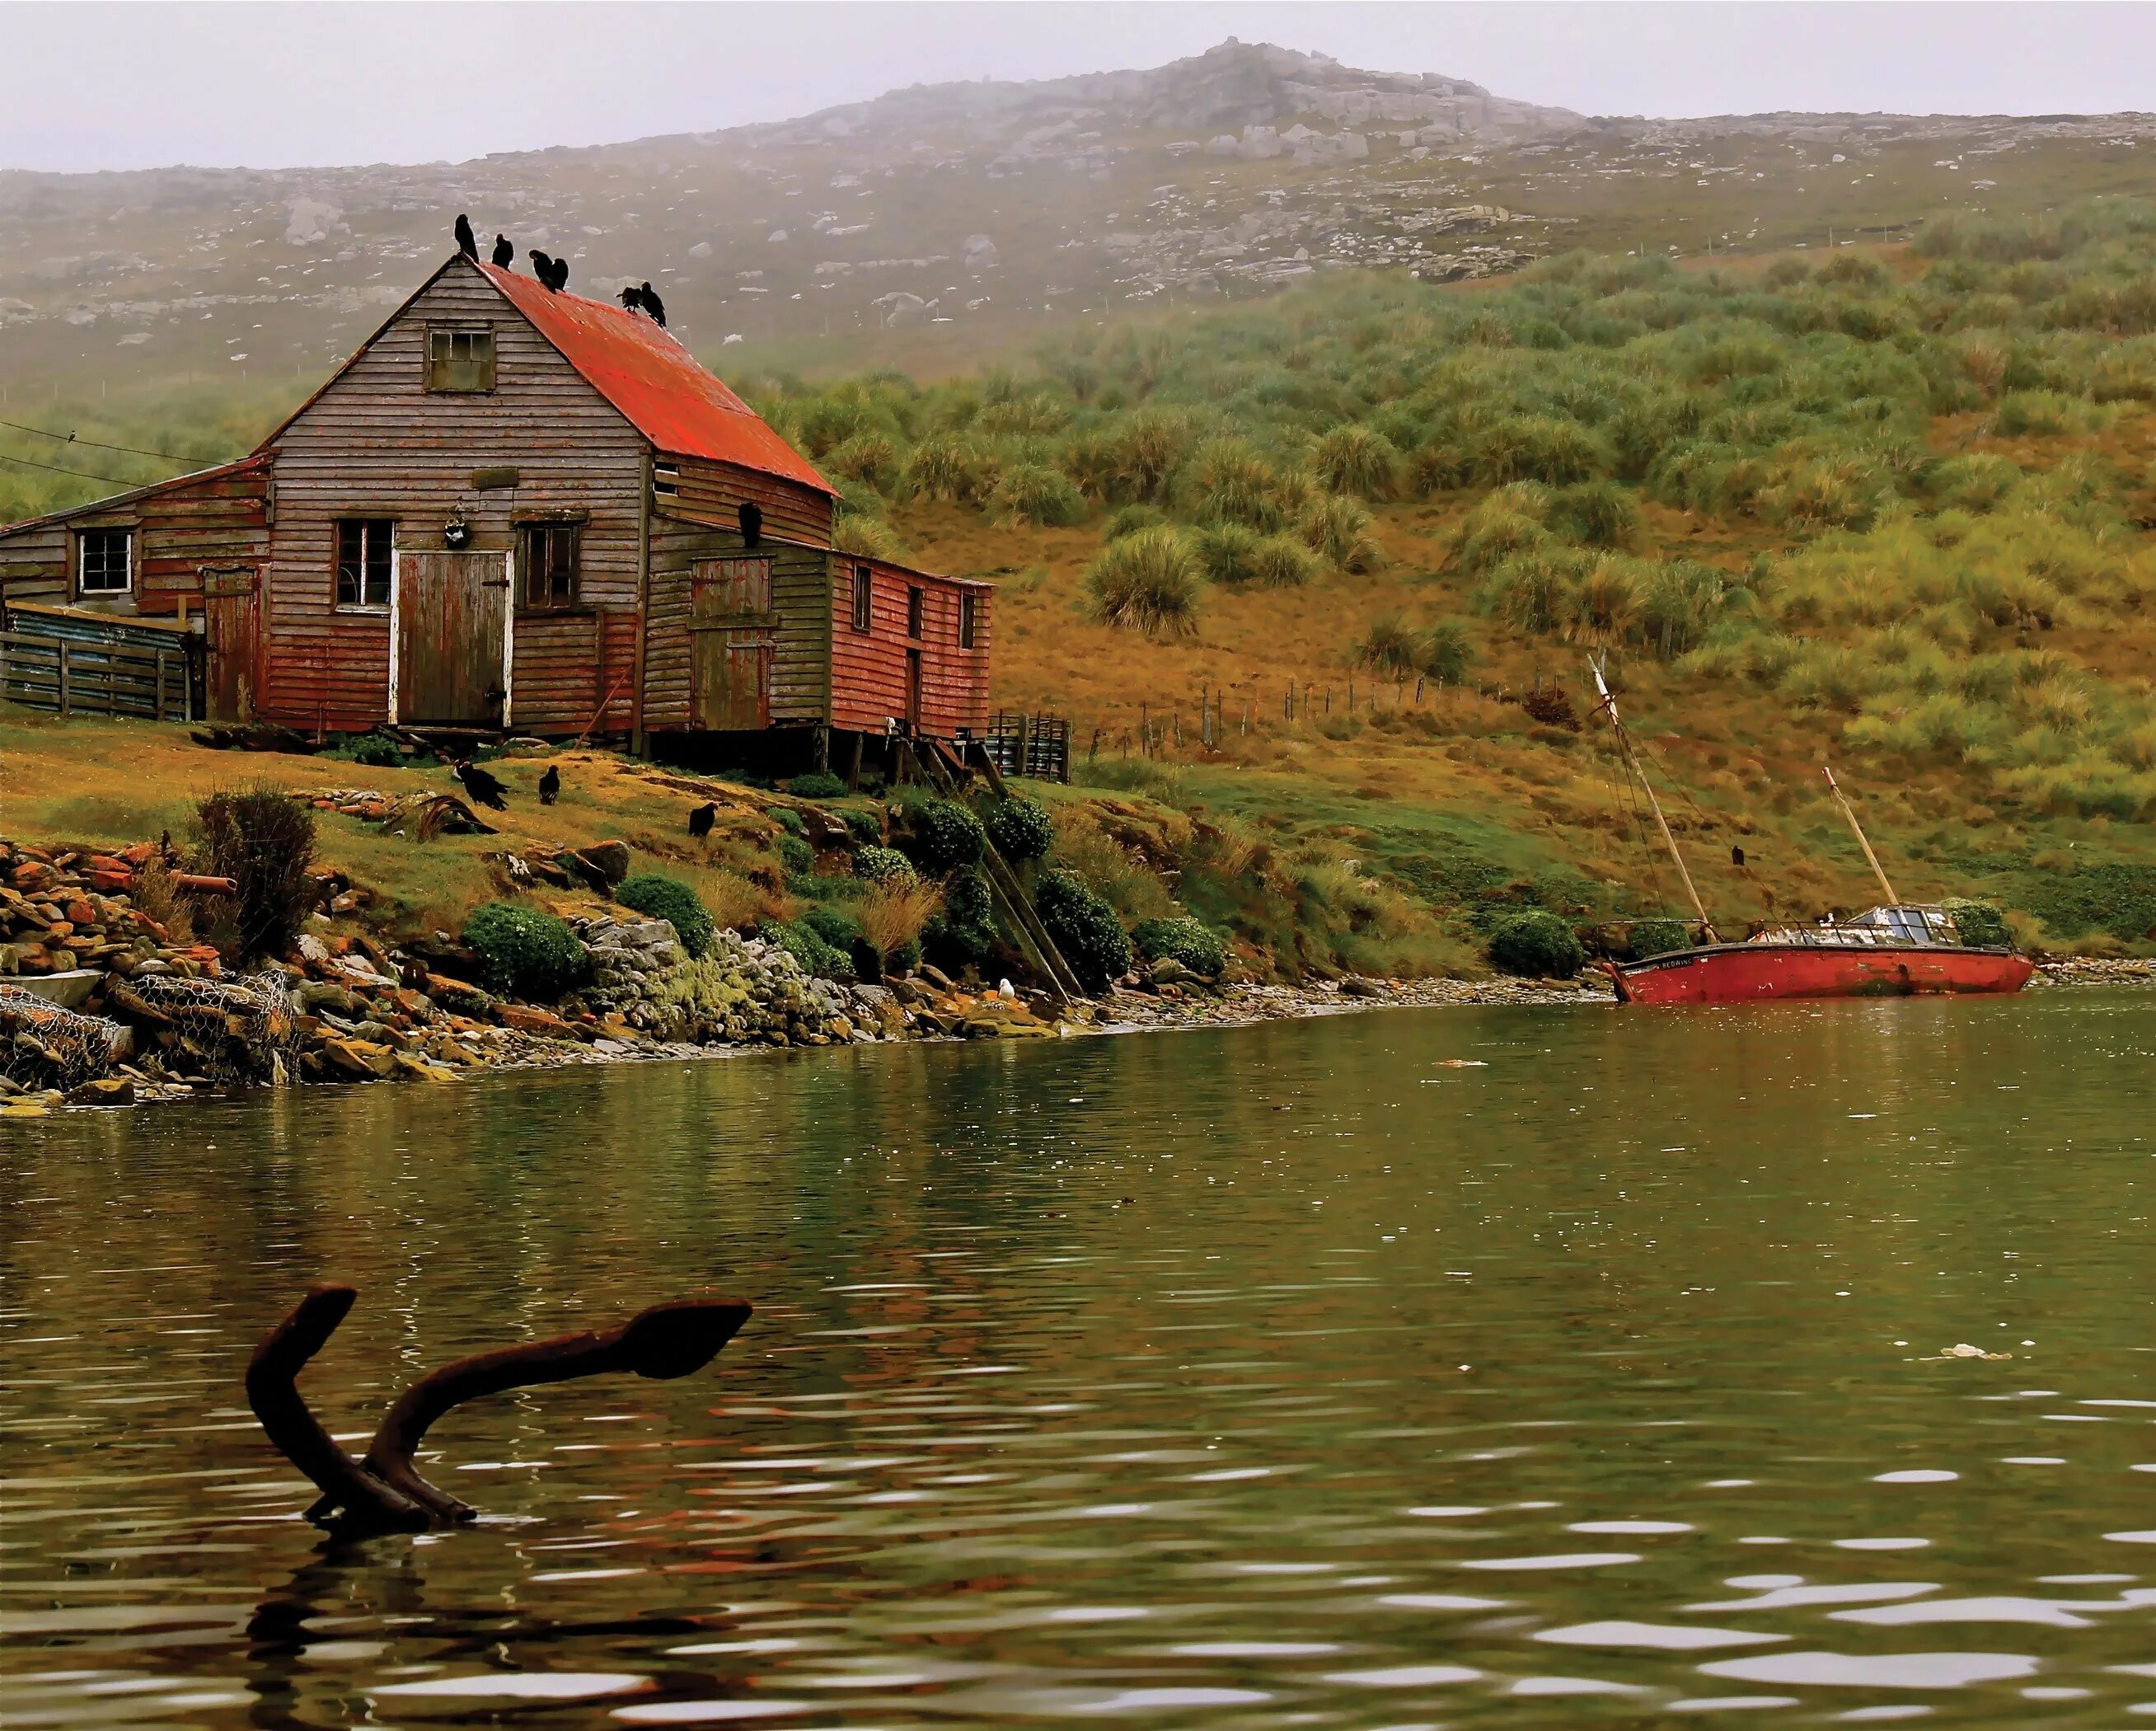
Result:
460,360
667,479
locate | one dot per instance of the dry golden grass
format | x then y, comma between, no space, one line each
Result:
895,910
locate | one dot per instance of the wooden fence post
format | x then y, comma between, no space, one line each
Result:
66,692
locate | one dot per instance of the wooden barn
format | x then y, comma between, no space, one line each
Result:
520,511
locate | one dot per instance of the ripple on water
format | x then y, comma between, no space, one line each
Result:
1874,1671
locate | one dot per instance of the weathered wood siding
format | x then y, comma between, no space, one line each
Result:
869,668
801,612
215,520
375,442
713,493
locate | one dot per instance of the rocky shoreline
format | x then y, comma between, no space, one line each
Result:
104,1004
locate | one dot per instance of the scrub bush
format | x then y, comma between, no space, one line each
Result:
816,784
263,839
882,865
668,898
1535,946
945,835
1085,928
1979,924
1658,937
963,934
523,953
1196,945
1020,830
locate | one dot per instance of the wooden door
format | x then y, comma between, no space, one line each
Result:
231,621
452,618
731,643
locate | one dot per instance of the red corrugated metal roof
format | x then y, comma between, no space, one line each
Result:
654,381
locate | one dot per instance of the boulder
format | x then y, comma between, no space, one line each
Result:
525,1019
609,859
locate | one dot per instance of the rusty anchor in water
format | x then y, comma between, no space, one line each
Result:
384,1493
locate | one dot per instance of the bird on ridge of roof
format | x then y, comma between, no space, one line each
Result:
504,254
653,306
542,267
559,279
632,297
467,241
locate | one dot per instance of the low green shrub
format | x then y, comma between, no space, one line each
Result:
668,898
877,864
1130,519
963,933
1020,830
523,953
796,856
815,954
817,784
375,751
866,826
1658,937
946,835
1535,945
833,925
1193,943
1085,928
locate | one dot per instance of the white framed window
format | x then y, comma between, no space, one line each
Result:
104,562
362,560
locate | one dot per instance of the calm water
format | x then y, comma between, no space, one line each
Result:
1289,1375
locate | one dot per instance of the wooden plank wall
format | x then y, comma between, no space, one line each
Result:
868,668
215,520
714,493
800,599
377,443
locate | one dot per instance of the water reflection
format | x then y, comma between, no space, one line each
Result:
1293,1375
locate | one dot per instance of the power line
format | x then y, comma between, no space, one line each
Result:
86,474
70,439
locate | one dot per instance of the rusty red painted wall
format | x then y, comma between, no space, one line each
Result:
869,668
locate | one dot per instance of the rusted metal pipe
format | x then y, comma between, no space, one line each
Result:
385,1493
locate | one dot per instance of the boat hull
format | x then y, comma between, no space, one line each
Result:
1744,973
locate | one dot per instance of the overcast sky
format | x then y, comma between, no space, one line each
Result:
266,85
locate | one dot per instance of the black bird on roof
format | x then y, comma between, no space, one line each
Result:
484,788
504,254
632,297
467,241
549,785
653,306
701,820
560,281
542,267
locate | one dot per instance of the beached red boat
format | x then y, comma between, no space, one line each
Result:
1889,952
1898,950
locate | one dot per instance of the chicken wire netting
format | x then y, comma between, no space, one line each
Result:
224,1030
42,1045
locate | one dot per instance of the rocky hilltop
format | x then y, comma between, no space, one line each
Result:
965,214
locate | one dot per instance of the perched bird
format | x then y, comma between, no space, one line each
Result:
467,241
484,788
1737,857
542,267
632,297
549,785
504,254
751,516
701,820
653,306
559,279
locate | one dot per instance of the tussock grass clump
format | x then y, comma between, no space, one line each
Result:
1148,581
1338,529
1356,460
1036,495
1132,518
263,839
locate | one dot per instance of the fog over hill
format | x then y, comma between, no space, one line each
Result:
936,220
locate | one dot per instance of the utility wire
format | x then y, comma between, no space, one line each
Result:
70,439
86,474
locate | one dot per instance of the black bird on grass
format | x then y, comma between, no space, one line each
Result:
467,241
653,304
484,788
1737,857
549,785
504,254
701,820
542,267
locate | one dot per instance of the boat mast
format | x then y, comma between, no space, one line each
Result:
1848,811
1608,706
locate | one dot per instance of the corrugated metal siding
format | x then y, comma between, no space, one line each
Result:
375,442
800,601
714,493
869,668
216,519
